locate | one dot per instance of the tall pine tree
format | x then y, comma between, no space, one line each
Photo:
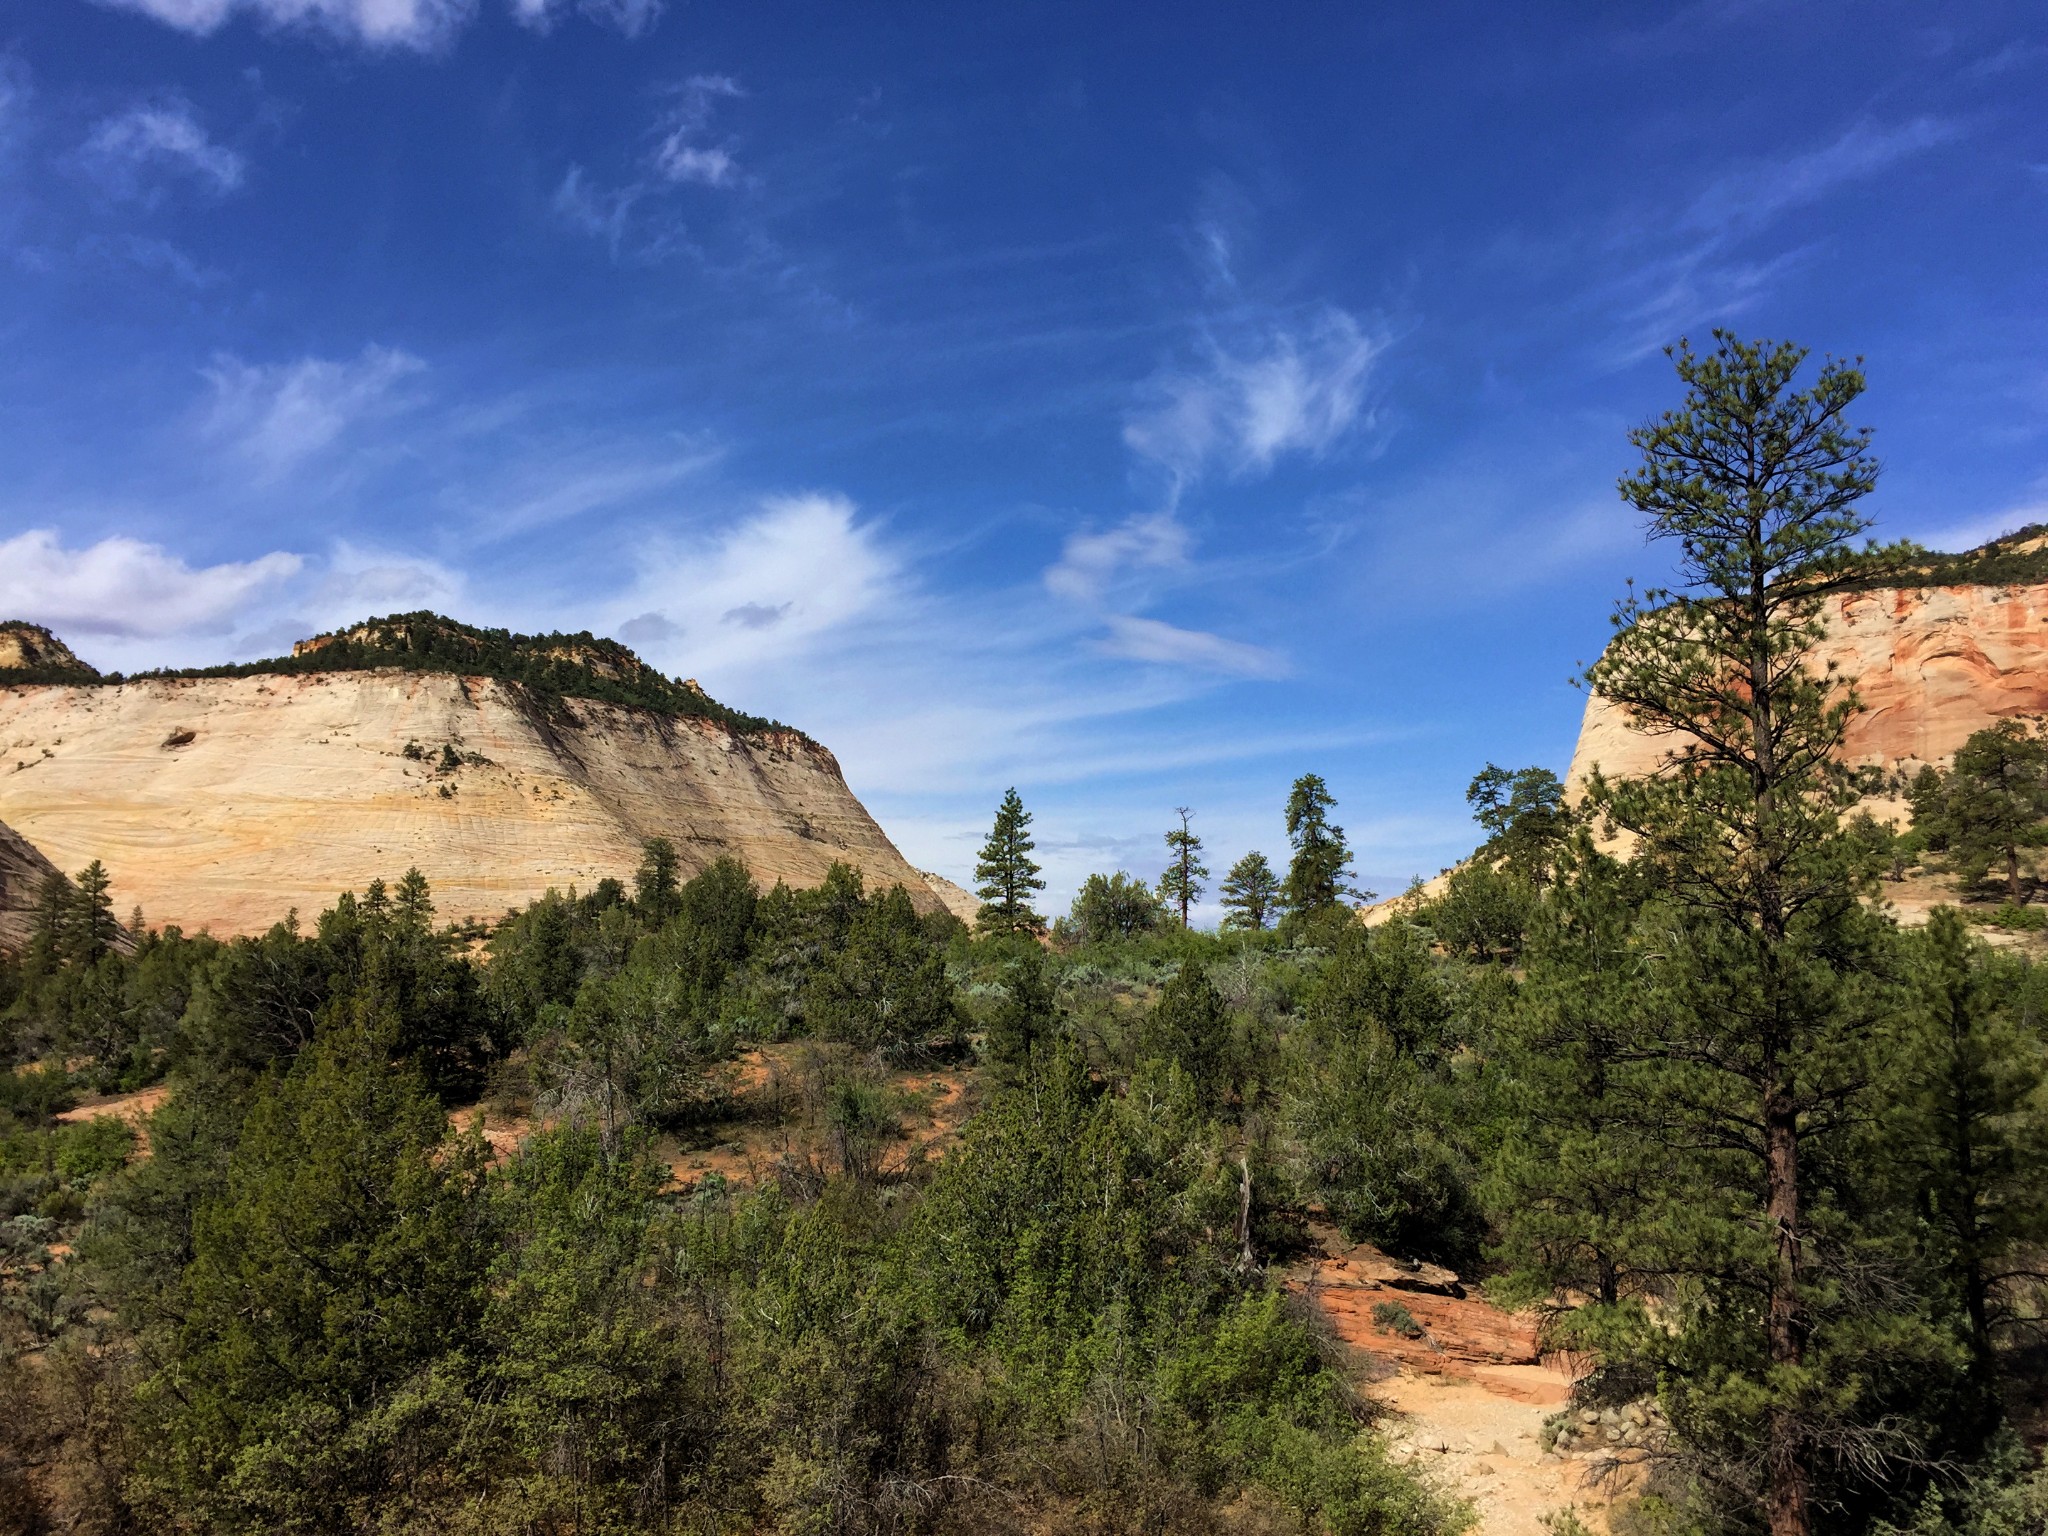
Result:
1319,876
1758,1016
1006,879
1181,886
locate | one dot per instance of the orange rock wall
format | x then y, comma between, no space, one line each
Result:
1931,666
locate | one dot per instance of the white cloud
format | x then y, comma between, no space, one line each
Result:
415,24
769,588
686,162
276,414
165,136
1140,639
632,17
1283,392
679,156
1090,563
121,586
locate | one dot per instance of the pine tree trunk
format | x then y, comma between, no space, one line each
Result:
1786,1472
2012,875
1787,1454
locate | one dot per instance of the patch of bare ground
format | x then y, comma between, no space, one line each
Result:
1465,1387
1911,898
133,1108
776,1123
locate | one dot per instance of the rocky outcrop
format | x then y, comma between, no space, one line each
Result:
23,870
32,649
224,802
963,904
1931,666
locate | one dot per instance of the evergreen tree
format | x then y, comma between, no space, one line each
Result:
413,905
1371,1134
342,1257
1319,876
49,934
1523,814
1251,893
1965,1136
1181,886
1190,1027
1006,878
887,988
91,930
535,964
1027,1018
1759,1008
1992,804
1109,908
657,883
579,1350
1576,1173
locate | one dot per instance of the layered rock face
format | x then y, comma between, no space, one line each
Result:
22,873
223,802
1931,666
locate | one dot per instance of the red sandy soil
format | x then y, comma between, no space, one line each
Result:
1467,1400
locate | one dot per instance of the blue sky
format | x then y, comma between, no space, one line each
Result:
1141,405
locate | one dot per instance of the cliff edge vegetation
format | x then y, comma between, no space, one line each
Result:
549,668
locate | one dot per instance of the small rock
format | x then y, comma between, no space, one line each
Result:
1499,1449
1589,1415
1481,1469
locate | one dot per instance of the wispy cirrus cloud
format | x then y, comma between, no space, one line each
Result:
1699,265
278,414
639,216
1281,389
127,150
1753,196
1092,562
632,17
682,155
418,25
1265,384
1152,640
125,587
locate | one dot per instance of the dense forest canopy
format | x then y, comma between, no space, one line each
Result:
548,668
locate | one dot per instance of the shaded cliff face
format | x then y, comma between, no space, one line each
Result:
22,872
1931,665
222,802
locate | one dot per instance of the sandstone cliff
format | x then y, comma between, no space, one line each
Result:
22,873
224,801
30,648
1930,664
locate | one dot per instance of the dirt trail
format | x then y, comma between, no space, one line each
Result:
1466,1388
